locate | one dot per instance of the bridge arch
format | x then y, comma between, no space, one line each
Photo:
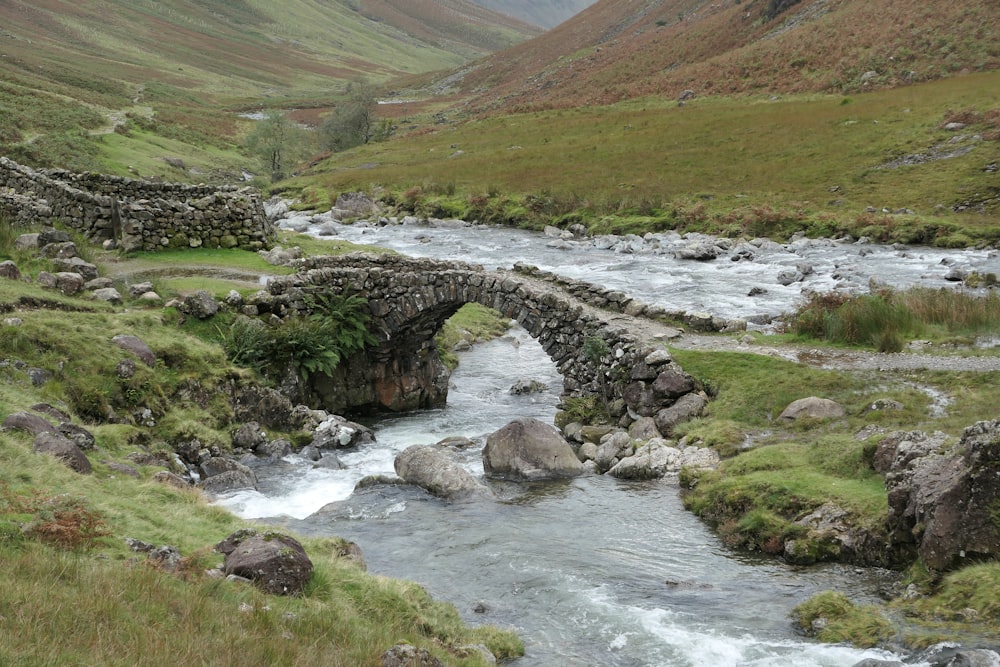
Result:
409,300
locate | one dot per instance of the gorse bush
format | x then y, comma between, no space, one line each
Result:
884,318
336,327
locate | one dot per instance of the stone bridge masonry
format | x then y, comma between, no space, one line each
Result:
136,214
409,300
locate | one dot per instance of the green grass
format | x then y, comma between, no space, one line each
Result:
843,621
886,319
472,323
738,165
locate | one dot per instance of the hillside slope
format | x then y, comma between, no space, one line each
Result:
616,50
548,13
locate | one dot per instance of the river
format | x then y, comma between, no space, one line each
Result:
594,571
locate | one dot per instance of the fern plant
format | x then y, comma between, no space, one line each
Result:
336,328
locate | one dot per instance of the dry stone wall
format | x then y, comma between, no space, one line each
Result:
137,215
409,299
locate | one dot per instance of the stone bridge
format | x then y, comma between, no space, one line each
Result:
618,359
135,214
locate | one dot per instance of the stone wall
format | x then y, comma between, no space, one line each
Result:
137,215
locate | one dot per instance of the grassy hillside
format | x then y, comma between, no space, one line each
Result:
750,165
619,50
547,13
160,72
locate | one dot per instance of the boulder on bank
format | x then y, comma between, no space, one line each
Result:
433,470
276,563
63,449
813,408
946,503
526,450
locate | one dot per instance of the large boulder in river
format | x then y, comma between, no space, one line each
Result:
431,469
527,449
947,502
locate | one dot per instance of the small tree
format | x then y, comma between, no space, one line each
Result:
275,142
353,122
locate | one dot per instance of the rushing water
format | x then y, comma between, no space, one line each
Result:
594,571
645,268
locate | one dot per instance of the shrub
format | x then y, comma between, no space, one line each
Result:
63,520
336,327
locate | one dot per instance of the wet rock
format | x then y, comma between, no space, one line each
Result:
433,470
337,432
527,387
231,480
527,449
249,437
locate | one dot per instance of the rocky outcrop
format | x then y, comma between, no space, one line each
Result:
944,503
527,450
433,470
274,562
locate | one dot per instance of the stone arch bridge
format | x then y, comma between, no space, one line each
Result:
617,358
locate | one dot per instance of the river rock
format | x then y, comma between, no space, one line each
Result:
946,503
433,470
337,432
63,449
814,408
274,562
613,448
249,436
527,449
656,458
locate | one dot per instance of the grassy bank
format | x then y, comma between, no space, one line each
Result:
73,592
746,165
777,473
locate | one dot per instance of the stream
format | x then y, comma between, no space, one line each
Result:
593,571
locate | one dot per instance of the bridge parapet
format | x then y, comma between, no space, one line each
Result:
409,300
139,215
